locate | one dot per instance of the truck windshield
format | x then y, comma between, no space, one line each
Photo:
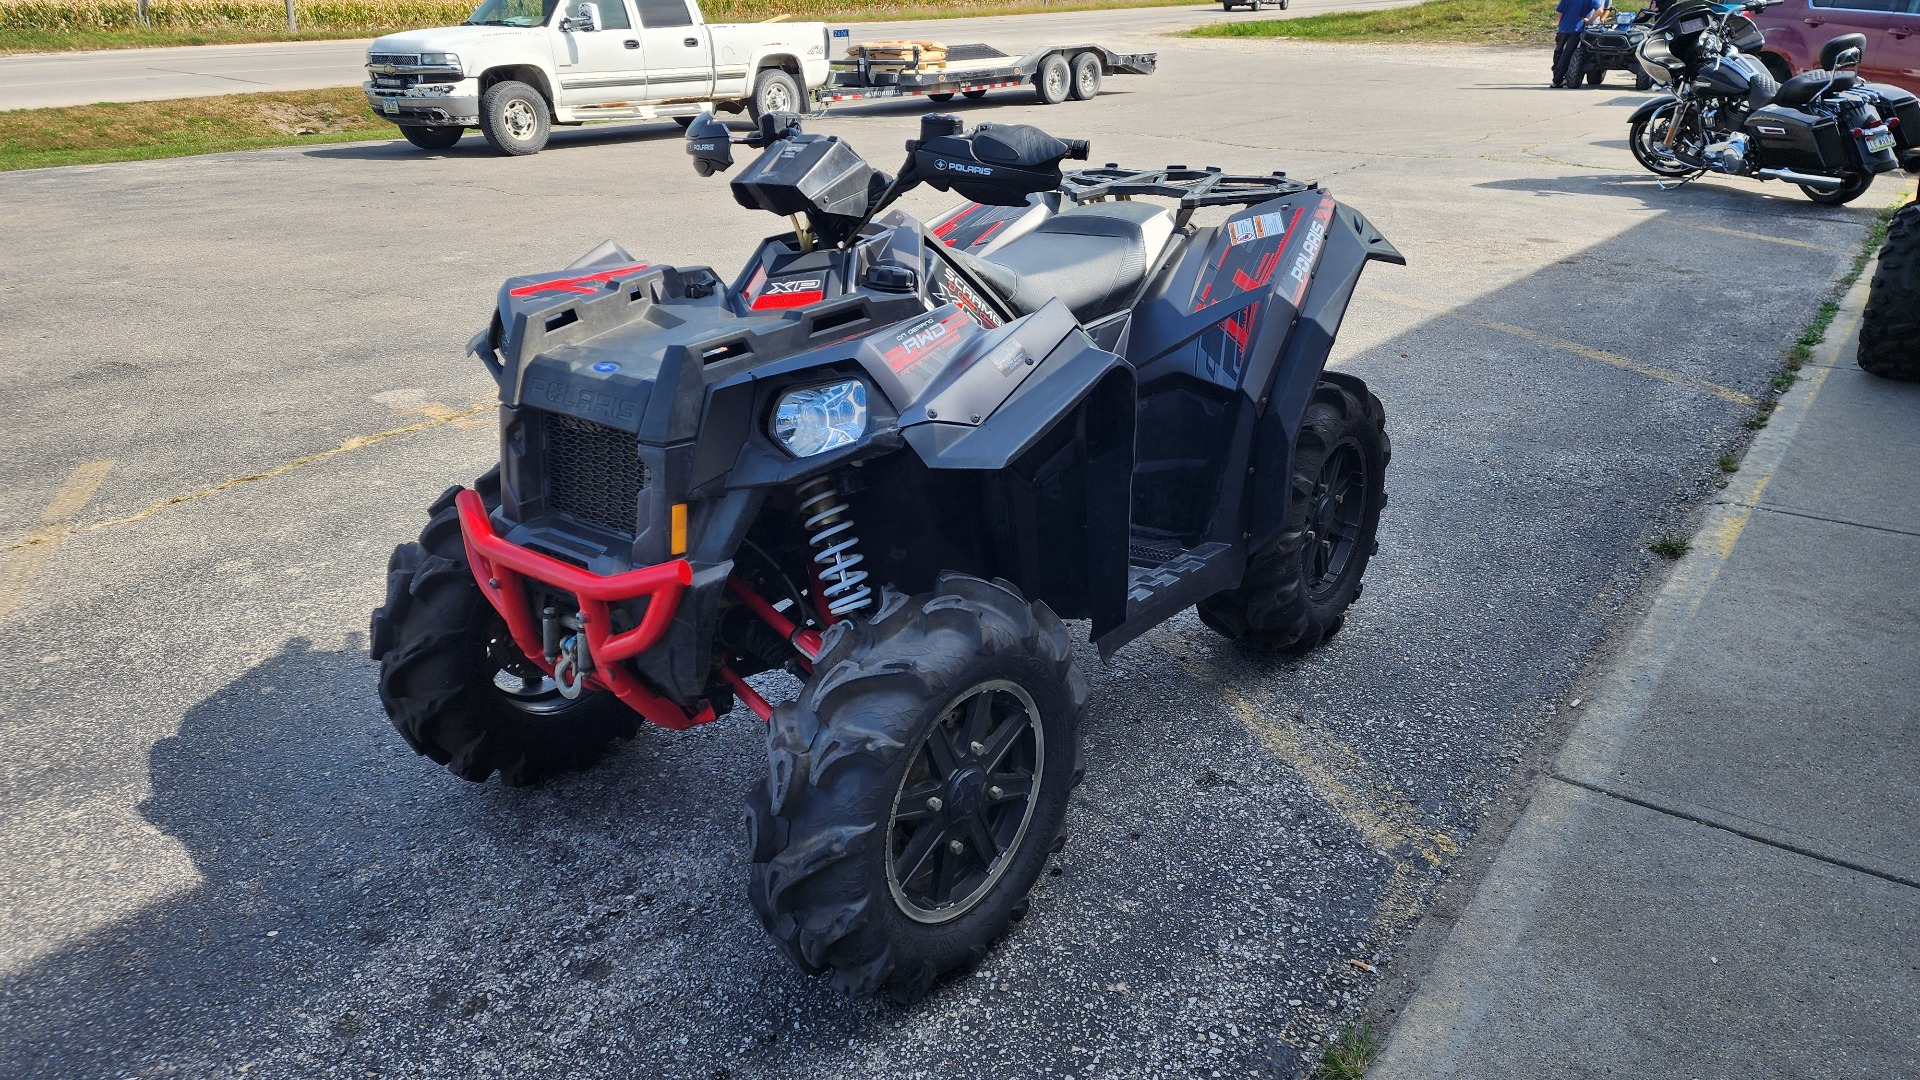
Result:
512,13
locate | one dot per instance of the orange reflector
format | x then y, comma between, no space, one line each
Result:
679,537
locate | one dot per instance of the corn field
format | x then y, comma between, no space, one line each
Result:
67,16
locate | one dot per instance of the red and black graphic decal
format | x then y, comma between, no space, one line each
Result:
977,225
1263,253
790,293
950,288
579,283
929,339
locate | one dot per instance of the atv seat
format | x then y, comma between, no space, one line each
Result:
1803,87
1094,258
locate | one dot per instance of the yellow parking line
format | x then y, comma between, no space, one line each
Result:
1574,347
1743,234
32,554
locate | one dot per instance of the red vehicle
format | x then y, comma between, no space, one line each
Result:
1796,31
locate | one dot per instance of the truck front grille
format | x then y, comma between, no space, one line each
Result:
594,472
387,59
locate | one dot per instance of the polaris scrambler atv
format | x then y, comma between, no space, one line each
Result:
890,457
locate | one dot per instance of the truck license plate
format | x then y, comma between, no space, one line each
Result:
1877,143
389,105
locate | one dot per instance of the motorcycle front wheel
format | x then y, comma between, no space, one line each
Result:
1647,138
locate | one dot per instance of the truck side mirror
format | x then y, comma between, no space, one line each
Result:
586,19
710,145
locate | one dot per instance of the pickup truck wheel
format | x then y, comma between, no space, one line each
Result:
1297,588
774,91
513,117
432,138
1086,77
917,787
1054,81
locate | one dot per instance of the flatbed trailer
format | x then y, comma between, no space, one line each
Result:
1055,72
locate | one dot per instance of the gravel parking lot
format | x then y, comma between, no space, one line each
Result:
219,859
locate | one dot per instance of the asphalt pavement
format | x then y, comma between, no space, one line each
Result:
1719,874
41,80
235,382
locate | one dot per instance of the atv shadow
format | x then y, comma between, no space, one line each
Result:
357,903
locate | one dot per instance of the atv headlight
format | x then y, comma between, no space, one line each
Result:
440,59
819,418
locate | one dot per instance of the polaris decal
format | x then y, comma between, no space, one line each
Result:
950,288
932,338
790,293
581,283
577,400
948,165
1301,272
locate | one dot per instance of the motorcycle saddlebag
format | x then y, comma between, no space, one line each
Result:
1786,138
1896,103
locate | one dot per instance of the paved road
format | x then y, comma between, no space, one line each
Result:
49,79
214,840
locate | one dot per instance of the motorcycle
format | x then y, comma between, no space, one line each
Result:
1827,131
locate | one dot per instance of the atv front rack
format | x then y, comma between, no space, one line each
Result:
1194,188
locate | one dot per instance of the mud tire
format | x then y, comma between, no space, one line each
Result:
821,826
1890,326
1276,605
431,639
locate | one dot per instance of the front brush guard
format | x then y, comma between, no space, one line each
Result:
498,567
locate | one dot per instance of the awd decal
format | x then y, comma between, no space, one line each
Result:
929,339
583,283
790,293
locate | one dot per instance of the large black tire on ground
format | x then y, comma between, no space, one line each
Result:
1086,77
824,827
1297,588
514,118
432,138
973,95
1856,185
775,90
1054,81
1641,134
1890,328
440,647
1642,81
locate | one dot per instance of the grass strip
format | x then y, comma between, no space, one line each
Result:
1471,22
69,25
89,134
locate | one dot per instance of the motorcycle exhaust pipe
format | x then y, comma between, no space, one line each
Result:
1825,183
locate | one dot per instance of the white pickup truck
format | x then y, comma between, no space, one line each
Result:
517,67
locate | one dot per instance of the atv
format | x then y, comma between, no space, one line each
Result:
889,458
1611,46
1890,324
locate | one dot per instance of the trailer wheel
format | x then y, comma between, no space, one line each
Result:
1086,77
943,97
1297,588
432,138
513,117
774,91
917,786
454,684
1054,81
973,95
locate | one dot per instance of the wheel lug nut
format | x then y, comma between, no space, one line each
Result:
996,793
956,846
934,803
977,748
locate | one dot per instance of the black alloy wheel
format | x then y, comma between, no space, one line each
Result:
1335,521
1647,138
965,803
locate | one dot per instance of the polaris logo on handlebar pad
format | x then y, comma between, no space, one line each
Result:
945,165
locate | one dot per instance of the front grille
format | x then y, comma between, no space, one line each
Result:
594,472
388,59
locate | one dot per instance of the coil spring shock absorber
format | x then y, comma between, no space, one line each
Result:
830,531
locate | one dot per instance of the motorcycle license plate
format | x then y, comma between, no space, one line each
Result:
1877,143
389,105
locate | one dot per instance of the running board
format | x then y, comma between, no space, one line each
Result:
1825,183
1155,594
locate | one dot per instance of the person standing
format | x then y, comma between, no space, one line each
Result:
1574,15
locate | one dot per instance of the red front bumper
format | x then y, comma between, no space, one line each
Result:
498,567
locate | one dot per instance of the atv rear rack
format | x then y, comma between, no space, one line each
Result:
1194,188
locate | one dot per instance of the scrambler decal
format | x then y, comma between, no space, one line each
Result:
950,288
